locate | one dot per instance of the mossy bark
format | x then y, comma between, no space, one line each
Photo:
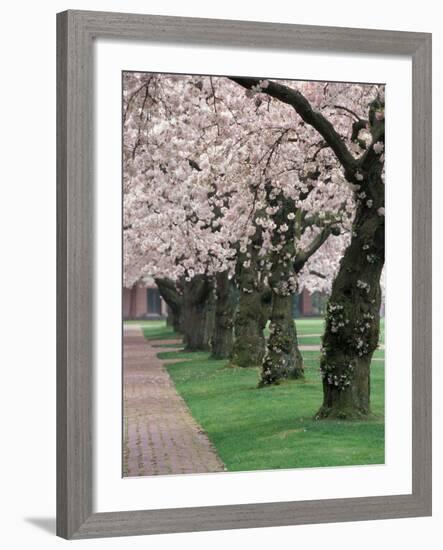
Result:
283,358
353,311
225,303
198,313
250,319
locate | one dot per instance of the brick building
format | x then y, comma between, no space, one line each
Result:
143,301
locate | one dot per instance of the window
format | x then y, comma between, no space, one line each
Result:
154,304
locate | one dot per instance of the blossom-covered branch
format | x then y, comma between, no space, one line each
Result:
297,100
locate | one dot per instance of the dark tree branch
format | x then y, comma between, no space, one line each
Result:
322,145
303,256
317,274
194,165
348,111
169,293
356,127
315,119
377,128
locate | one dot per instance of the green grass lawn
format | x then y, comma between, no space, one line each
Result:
156,330
312,325
309,340
273,427
306,328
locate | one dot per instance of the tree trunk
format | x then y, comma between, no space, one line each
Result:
283,358
353,311
174,300
198,313
250,320
223,337
174,320
169,317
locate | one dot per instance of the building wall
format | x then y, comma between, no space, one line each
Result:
305,303
126,297
135,303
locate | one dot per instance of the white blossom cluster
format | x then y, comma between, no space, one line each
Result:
286,287
362,341
364,286
339,376
335,317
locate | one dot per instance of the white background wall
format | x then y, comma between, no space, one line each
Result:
27,202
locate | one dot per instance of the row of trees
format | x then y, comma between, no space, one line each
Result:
238,193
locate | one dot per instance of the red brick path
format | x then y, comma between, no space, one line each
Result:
160,435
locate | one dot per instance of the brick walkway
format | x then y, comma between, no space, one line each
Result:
160,435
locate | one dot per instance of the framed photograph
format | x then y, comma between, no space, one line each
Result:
244,274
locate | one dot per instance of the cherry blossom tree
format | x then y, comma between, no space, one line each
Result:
172,203
352,322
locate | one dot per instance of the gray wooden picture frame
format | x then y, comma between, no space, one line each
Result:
76,32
